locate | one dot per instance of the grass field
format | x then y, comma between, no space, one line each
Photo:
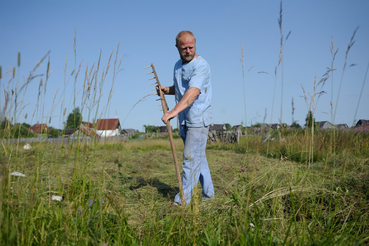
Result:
122,194
304,187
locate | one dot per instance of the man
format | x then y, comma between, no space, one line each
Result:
192,90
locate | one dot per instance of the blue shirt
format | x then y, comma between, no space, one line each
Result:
195,73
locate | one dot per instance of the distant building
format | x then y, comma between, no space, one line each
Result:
237,129
87,124
128,132
278,125
69,132
217,127
108,127
324,124
362,123
342,126
84,131
39,128
162,129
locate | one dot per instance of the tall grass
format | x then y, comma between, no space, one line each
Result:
299,190
121,194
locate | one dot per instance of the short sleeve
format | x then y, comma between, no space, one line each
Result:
199,75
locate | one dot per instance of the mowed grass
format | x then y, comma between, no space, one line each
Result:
122,194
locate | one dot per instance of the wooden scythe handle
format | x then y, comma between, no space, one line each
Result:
169,128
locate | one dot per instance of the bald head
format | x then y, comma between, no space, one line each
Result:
186,45
184,33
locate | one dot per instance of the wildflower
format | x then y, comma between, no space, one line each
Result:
79,211
243,169
90,202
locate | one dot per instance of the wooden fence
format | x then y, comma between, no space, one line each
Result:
115,139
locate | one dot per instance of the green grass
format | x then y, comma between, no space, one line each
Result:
305,187
122,194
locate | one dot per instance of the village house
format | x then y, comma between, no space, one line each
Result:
362,123
237,129
162,129
87,124
108,127
68,132
324,125
129,132
39,128
217,127
278,125
84,130
342,126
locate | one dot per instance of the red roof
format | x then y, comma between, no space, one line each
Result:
38,128
87,124
107,124
89,132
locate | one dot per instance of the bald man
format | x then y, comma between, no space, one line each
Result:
192,90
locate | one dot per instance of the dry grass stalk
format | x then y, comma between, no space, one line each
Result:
361,93
351,43
283,191
243,82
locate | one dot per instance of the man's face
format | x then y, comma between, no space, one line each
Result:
187,48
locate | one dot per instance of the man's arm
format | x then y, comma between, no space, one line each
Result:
188,98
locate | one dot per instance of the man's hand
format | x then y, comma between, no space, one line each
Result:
168,90
188,98
163,89
168,116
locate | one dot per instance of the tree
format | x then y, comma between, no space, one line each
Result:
52,132
228,126
295,125
21,131
74,119
310,120
149,129
256,125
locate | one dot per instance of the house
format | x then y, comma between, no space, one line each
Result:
69,132
237,129
162,129
128,132
324,125
39,128
217,127
278,125
87,124
342,126
108,127
83,131
362,123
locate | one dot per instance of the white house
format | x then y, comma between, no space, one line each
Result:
108,127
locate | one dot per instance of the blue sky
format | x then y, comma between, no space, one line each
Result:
146,33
